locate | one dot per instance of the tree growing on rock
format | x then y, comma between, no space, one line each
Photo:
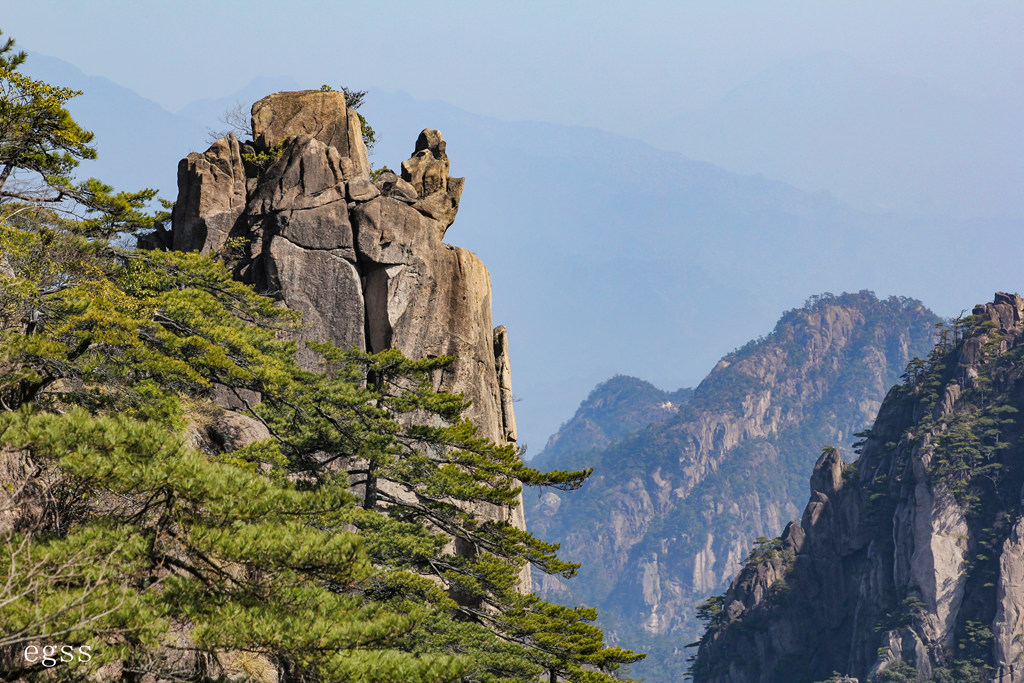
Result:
127,530
310,535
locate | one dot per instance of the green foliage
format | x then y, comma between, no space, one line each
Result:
358,542
958,672
40,146
967,451
858,446
105,355
729,389
434,474
974,645
38,133
711,609
898,672
764,549
368,133
906,614
354,100
264,159
270,573
969,442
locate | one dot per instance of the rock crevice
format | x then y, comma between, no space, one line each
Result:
362,259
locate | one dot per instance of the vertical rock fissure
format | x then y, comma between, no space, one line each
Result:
379,332
363,260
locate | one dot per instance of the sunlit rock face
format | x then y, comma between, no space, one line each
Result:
911,556
363,259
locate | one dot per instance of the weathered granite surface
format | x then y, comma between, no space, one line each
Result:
362,259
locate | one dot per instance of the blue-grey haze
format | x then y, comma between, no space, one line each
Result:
608,254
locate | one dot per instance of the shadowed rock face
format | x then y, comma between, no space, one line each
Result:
211,197
363,260
676,500
912,555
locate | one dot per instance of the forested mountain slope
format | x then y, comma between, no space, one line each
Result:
615,409
670,512
906,564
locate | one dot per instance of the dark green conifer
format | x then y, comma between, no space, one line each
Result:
326,551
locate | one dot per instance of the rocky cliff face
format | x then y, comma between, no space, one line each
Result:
669,513
906,565
363,260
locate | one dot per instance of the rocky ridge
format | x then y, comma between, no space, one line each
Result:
906,564
670,511
297,213
614,410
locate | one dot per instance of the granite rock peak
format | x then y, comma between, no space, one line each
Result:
361,256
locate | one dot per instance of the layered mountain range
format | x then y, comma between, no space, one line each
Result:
671,509
580,227
906,564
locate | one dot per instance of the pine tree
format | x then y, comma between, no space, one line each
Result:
122,537
350,544
433,481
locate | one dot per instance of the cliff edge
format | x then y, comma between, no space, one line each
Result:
907,564
298,215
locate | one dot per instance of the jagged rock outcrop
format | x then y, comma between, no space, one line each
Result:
670,512
908,563
320,114
427,172
212,191
363,260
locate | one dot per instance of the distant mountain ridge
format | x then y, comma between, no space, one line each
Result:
209,112
139,142
607,256
671,510
615,409
906,564
877,140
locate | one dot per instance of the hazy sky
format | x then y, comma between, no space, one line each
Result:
614,65
630,68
